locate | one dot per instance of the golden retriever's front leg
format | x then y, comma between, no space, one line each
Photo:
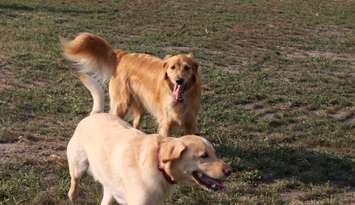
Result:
137,113
136,121
190,126
165,128
120,100
119,110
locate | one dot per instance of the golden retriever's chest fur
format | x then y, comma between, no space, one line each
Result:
141,83
177,111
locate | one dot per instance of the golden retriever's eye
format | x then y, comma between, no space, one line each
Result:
186,67
172,67
204,155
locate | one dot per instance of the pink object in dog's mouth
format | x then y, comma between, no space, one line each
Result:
177,93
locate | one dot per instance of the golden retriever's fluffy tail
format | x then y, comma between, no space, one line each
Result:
96,92
96,62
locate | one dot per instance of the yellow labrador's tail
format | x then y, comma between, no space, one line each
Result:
96,62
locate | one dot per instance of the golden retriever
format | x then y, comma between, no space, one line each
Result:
139,169
169,88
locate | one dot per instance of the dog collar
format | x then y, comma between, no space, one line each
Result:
161,169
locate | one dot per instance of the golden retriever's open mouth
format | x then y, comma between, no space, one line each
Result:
209,183
177,92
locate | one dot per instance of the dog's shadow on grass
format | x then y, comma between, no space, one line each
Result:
277,162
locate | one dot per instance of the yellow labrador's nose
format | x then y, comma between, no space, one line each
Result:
227,171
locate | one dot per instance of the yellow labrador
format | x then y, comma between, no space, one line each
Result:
137,169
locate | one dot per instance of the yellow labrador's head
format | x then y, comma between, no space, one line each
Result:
192,159
181,71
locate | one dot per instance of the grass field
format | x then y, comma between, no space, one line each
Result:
278,93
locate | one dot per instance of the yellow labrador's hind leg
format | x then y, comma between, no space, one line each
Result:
71,192
75,174
78,164
107,197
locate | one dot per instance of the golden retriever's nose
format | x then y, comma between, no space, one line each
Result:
179,81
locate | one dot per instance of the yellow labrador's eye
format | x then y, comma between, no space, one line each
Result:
186,67
204,155
172,67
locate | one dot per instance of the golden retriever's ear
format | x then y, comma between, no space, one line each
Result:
165,60
167,56
165,64
190,55
194,66
171,150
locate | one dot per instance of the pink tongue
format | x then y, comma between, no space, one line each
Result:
177,92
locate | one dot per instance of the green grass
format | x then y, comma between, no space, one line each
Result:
278,93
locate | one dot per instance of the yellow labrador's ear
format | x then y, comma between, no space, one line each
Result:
171,150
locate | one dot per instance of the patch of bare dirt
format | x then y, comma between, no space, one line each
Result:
319,113
253,106
34,149
343,114
329,31
334,31
296,54
351,120
266,114
263,111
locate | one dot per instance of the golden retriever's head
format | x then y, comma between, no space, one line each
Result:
192,159
181,71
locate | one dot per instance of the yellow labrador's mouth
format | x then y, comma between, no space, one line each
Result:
209,183
177,92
